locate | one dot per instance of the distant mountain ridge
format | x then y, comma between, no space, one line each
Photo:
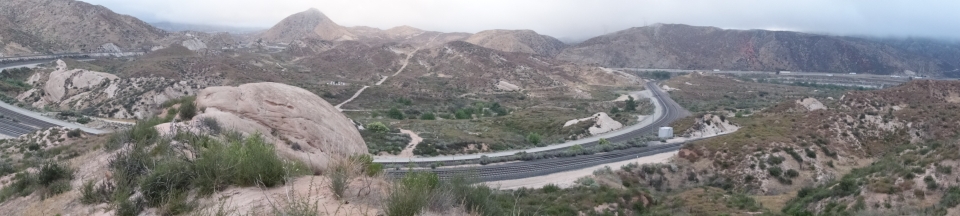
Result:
693,47
29,27
524,41
56,26
176,27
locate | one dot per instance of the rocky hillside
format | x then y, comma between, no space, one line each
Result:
308,24
56,26
525,41
820,143
457,68
693,47
102,94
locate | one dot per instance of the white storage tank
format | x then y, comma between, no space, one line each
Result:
666,132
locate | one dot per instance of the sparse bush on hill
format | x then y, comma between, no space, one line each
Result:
428,116
533,138
154,167
74,133
188,110
395,113
377,127
409,196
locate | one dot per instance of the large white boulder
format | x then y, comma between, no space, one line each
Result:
300,123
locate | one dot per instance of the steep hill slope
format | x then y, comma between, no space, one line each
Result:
45,26
525,41
692,47
311,24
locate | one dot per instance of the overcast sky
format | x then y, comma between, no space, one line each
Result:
574,19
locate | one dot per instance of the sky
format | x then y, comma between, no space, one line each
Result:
574,19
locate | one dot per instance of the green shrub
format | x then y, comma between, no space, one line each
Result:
774,160
550,188
533,138
212,125
395,113
58,187
810,153
410,195
775,171
127,207
52,172
603,141
91,193
951,198
84,120
791,173
22,184
631,104
461,114
378,127
340,176
74,133
428,116
167,179
931,183
243,163
188,110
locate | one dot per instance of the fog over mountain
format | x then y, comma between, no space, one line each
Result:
575,20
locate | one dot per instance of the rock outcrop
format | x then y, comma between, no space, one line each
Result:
303,125
811,104
102,94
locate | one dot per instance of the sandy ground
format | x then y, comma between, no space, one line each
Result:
310,190
667,88
566,179
414,140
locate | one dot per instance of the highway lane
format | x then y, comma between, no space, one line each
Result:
524,169
667,112
16,121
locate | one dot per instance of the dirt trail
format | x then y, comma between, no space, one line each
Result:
355,95
414,140
405,63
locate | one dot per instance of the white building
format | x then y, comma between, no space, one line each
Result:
665,132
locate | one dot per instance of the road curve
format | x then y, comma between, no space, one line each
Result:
668,110
525,169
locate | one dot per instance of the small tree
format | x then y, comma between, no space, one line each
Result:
631,104
614,110
395,113
533,138
461,114
378,127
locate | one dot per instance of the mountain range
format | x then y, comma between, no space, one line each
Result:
56,26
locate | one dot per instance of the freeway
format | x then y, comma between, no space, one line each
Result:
16,121
666,112
669,112
526,169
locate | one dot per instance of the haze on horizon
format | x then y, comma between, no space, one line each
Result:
572,20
